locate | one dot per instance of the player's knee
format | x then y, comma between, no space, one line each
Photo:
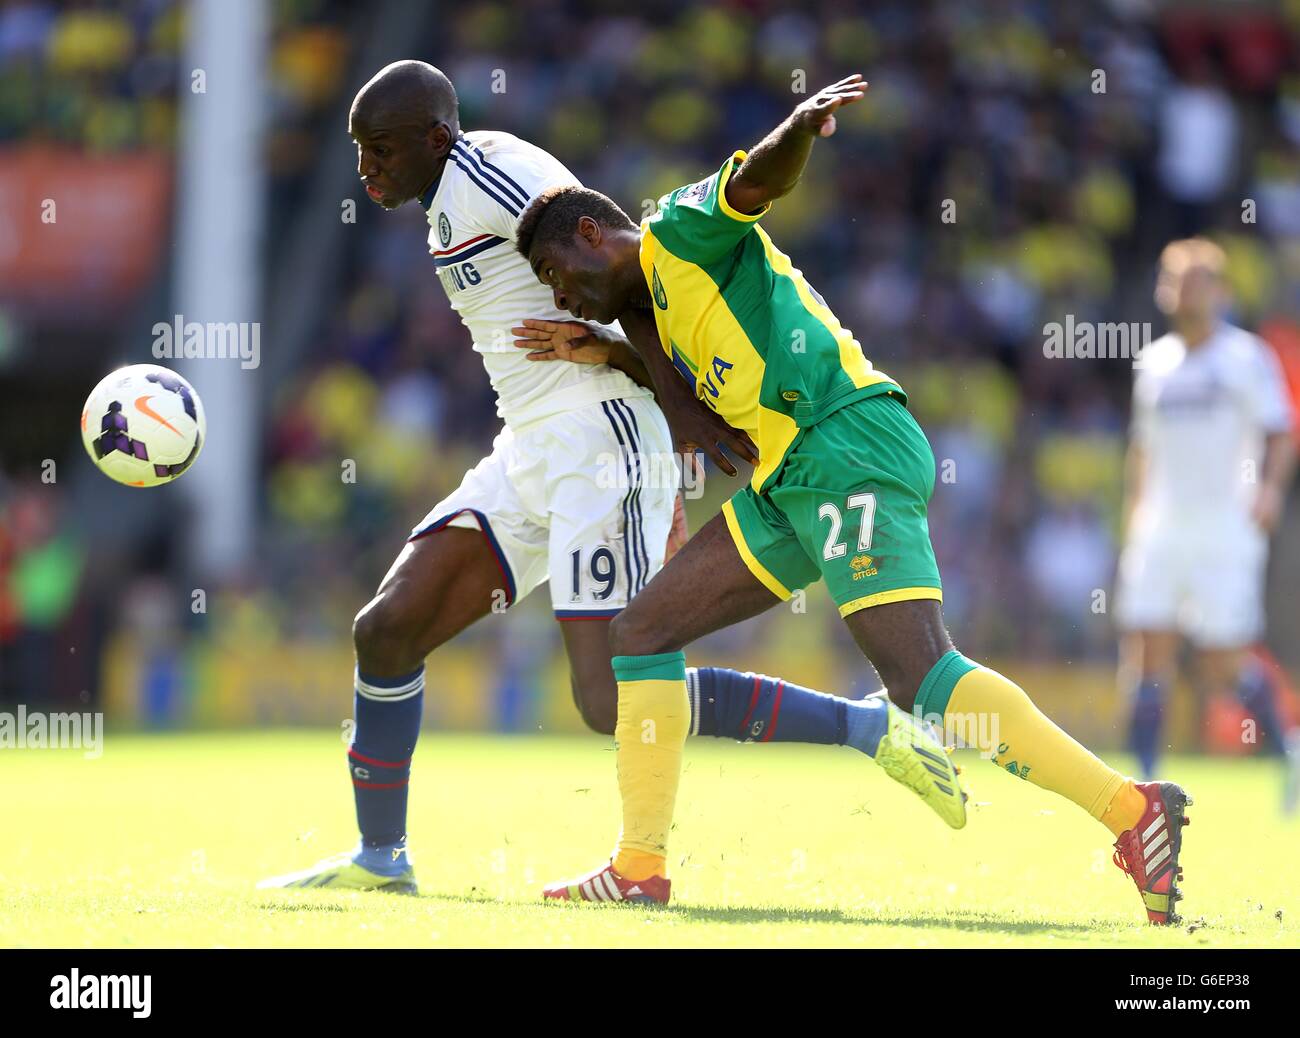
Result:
597,704
631,635
384,633
600,721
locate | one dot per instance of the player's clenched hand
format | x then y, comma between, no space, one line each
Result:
817,114
573,341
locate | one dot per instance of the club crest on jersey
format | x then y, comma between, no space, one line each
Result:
657,289
444,230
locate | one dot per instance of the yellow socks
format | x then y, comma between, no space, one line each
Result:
991,712
1124,810
654,717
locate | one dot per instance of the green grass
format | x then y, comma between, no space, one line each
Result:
159,843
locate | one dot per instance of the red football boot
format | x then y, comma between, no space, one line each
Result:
605,884
1149,851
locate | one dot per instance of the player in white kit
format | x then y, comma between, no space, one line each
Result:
1210,460
579,489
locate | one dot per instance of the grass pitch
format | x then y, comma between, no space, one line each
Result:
159,843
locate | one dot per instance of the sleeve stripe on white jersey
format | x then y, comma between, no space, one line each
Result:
485,242
461,245
469,172
483,160
514,194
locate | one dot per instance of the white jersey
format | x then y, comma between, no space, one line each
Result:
488,181
1200,417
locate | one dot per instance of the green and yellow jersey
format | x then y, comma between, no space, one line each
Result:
742,324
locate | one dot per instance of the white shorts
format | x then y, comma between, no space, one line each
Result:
584,499
1210,588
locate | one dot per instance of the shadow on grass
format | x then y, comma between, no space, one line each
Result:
975,922
956,919
963,920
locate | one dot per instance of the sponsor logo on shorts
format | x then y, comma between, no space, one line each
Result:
862,566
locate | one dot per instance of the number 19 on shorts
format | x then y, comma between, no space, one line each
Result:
599,574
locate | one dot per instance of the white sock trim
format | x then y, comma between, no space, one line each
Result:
385,694
693,692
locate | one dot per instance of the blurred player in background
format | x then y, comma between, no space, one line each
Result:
544,504
1210,461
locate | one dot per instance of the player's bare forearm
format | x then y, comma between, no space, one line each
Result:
1275,480
1279,461
671,391
624,356
775,164
693,425
643,339
1134,471
772,168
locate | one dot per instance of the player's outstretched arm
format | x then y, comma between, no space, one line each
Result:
776,163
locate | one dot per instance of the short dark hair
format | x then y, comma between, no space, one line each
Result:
556,211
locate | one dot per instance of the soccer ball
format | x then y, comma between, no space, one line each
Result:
143,425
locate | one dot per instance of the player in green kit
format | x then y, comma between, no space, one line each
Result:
840,491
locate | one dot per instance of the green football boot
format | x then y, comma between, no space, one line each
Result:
910,754
342,872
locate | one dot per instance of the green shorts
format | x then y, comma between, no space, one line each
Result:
849,505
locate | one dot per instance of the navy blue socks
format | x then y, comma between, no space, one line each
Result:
1146,725
388,712
756,708
1255,693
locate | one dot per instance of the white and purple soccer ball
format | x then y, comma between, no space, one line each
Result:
143,425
